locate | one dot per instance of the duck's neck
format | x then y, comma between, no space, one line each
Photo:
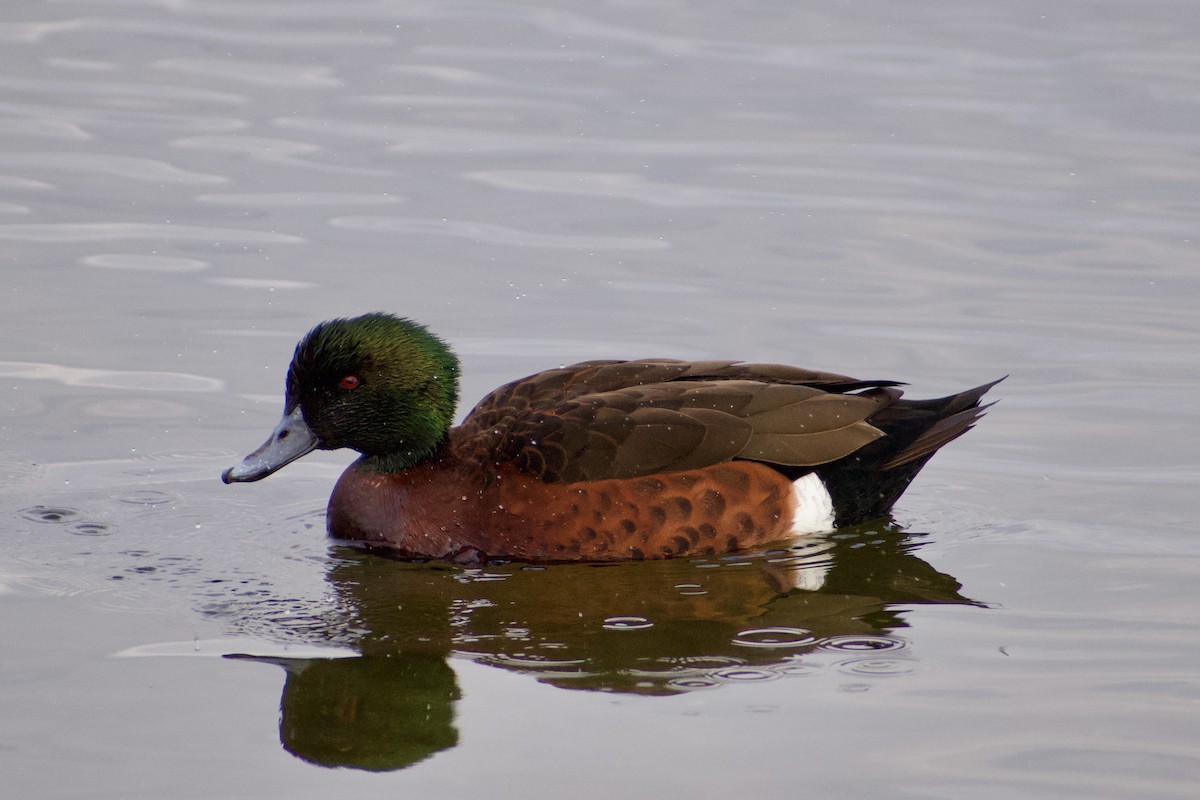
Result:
406,458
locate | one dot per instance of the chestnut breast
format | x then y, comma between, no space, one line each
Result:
444,508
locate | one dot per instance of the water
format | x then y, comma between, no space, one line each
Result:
933,193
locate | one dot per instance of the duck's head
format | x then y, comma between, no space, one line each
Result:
381,385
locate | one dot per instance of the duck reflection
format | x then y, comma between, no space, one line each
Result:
650,628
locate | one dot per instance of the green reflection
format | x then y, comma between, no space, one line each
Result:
373,713
650,628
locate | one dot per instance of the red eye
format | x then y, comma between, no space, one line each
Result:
349,382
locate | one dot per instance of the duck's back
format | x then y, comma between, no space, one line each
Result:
601,420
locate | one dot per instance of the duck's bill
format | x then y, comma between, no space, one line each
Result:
291,439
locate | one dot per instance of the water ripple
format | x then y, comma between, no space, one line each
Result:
91,529
146,497
69,518
159,29
532,661
143,91
142,262
12,182
693,683
125,167
745,675
110,379
270,284
52,514
114,231
874,666
273,151
630,186
495,234
630,623
299,199
780,637
702,663
256,73
863,643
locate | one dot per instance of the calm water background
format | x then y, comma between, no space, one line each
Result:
936,192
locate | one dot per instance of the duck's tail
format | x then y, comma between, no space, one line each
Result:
866,484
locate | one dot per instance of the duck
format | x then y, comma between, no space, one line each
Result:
604,460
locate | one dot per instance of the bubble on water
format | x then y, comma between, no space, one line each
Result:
778,637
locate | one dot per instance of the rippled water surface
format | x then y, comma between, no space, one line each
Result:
940,193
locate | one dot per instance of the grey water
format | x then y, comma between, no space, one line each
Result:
939,193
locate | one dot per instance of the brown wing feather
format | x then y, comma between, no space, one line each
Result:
625,419
809,431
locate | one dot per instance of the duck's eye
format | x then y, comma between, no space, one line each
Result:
349,382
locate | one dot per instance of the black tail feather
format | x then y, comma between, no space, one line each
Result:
866,484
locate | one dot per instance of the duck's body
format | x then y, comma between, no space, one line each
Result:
602,460
442,509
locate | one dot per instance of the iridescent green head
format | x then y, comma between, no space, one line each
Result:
382,385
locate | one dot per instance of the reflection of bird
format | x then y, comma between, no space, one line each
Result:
651,628
374,714
610,626
603,460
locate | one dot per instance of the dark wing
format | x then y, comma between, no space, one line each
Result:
624,419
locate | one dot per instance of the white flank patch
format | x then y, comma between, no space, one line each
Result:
814,506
